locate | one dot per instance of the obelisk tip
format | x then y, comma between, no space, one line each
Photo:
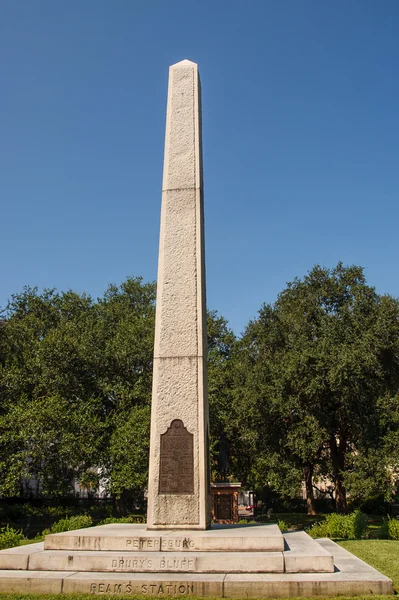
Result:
184,63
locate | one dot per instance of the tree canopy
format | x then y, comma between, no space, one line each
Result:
75,384
309,393
74,373
317,388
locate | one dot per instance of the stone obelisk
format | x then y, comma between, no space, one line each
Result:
178,487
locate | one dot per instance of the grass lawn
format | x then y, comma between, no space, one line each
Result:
380,554
38,538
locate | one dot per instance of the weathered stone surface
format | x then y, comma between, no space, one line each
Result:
175,335
116,536
159,562
179,393
304,584
135,538
31,582
179,554
304,555
232,538
155,584
354,577
351,577
18,558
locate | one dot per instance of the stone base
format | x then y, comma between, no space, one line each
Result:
158,562
305,567
136,538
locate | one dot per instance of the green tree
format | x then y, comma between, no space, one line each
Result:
221,341
75,384
314,374
71,372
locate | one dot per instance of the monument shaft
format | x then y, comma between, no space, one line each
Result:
178,488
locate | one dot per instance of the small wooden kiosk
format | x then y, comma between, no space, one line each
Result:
224,502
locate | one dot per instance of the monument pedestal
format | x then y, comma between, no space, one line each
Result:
227,561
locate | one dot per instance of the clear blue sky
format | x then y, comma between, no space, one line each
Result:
301,140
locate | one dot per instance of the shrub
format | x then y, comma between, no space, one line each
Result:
282,525
138,518
336,525
70,523
247,522
383,531
318,530
10,537
109,520
58,511
356,525
393,529
128,519
351,526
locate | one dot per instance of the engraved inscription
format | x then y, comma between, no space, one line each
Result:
110,588
167,589
176,469
163,563
143,543
177,544
149,544
150,589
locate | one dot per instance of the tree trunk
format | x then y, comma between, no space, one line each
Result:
340,496
308,475
121,504
338,452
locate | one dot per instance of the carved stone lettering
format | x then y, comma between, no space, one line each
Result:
177,543
167,589
151,589
111,588
176,469
143,543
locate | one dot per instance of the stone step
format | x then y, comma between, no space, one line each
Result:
354,578
18,558
136,538
158,562
302,554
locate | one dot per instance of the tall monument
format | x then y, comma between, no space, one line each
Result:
178,488
250,560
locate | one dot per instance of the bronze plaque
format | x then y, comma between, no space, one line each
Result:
224,507
176,468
